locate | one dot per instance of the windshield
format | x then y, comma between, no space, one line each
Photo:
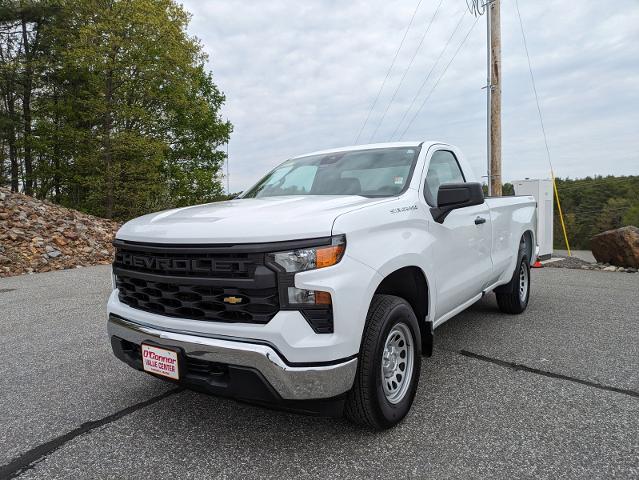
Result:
382,172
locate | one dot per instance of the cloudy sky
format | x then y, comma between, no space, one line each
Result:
302,76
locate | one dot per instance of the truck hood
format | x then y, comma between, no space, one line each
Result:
245,220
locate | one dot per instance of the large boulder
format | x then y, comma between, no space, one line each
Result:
617,247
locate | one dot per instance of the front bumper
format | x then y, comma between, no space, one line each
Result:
284,380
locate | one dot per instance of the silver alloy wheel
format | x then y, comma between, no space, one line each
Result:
397,363
523,282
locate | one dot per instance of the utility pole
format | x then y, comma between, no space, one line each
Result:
228,178
494,97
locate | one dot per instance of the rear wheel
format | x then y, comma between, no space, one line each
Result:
389,365
513,297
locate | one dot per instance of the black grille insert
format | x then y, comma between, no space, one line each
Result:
195,284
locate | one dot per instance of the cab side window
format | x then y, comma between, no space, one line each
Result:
443,168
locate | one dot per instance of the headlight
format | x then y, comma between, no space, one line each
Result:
311,258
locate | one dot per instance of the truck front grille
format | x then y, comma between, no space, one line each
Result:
196,282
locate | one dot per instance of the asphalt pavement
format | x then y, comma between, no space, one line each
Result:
551,393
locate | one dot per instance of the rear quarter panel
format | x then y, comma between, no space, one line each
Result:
511,218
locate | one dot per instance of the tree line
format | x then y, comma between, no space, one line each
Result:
590,206
593,205
106,106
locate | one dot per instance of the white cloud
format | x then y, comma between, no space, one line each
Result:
301,76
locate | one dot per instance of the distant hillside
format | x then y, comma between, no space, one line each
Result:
37,236
592,205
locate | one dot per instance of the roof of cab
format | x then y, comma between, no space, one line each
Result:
371,146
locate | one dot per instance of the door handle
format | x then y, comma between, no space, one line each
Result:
480,220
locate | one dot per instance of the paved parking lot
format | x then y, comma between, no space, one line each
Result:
551,393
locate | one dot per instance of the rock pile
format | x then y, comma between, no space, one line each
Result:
577,263
38,236
606,267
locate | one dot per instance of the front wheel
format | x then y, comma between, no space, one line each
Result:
389,365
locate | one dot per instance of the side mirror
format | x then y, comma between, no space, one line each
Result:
456,195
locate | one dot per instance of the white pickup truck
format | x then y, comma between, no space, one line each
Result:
319,288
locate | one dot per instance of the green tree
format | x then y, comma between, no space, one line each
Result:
631,217
110,106
612,214
155,110
507,189
10,51
592,205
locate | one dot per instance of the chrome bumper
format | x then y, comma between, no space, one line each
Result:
290,382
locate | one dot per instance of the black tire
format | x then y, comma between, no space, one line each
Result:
368,403
510,297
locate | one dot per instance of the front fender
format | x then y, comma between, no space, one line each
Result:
386,238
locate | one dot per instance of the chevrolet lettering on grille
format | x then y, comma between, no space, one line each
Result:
179,265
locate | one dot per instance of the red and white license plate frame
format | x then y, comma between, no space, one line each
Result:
160,361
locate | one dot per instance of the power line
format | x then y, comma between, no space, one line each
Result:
410,64
532,79
432,69
228,175
543,129
388,72
476,8
439,79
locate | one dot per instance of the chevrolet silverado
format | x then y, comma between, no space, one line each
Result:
320,288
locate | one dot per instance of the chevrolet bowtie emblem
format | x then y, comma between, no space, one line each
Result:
232,300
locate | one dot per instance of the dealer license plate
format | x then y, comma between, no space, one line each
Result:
160,361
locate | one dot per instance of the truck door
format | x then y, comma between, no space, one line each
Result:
461,251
